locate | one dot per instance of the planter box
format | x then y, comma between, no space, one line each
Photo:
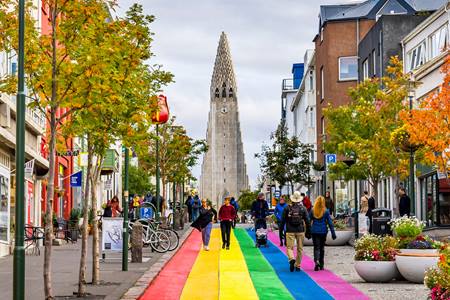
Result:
376,271
342,238
412,266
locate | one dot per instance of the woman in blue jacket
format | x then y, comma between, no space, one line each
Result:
320,222
278,214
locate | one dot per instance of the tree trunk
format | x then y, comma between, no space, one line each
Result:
95,234
163,199
292,188
84,242
49,210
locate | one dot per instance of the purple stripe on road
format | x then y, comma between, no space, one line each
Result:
338,288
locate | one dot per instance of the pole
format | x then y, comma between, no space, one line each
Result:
412,191
125,213
325,174
174,192
356,211
19,250
158,198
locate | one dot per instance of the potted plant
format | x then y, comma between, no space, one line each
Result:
417,253
91,217
375,258
75,214
343,234
437,278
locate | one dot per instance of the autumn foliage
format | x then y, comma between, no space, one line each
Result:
429,125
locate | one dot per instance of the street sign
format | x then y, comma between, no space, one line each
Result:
146,212
331,159
277,194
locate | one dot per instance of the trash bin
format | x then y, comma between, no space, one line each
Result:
380,221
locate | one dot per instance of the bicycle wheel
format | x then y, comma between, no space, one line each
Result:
174,238
159,241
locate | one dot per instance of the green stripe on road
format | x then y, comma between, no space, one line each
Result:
265,280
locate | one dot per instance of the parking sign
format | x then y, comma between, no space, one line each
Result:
331,159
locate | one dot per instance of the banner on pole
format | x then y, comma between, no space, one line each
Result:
76,178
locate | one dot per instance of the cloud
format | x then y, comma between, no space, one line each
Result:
266,38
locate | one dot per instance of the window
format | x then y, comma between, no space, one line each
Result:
4,208
417,56
348,68
216,94
321,34
322,84
439,41
374,63
323,126
365,69
311,117
311,80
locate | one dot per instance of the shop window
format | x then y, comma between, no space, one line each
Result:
4,208
348,68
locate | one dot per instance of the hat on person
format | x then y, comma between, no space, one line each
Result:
296,197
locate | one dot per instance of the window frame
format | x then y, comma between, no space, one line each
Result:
339,68
431,44
413,54
322,84
365,69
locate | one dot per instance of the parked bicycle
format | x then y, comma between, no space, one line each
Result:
158,240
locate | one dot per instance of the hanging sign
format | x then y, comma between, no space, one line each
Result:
76,178
162,115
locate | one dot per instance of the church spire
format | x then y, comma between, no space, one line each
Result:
223,80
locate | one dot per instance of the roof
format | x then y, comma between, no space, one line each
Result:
369,8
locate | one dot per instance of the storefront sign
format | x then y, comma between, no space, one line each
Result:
112,234
108,185
68,153
76,178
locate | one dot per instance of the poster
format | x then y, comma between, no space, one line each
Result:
30,202
112,234
363,224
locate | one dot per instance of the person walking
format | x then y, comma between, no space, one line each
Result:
329,203
226,217
259,211
295,218
236,209
196,204
207,215
405,203
115,207
279,214
369,214
107,210
188,203
306,202
320,222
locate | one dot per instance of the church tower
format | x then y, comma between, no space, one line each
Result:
224,172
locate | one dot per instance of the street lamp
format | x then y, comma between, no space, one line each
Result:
19,249
411,150
125,212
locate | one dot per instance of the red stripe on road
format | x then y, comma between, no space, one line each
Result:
169,283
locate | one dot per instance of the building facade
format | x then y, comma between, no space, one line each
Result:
224,172
425,50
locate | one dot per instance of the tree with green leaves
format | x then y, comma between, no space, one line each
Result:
361,131
287,161
139,181
246,199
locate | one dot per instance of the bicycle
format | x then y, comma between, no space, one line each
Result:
171,233
157,240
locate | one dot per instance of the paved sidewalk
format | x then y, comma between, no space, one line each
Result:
340,261
65,266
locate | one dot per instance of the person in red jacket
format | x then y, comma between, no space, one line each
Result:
227,213
306,202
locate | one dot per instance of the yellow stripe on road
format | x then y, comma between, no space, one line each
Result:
235,280
203,280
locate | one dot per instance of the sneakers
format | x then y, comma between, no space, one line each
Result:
228,247
321,267
206,248
316,267
223,246
297,269
291,265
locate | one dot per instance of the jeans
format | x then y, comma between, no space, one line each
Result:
225,229
195,214
319,247
281,233
291,239
206,234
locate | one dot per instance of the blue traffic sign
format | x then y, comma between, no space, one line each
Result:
146,213
331,159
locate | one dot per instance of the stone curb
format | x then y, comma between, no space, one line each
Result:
144,281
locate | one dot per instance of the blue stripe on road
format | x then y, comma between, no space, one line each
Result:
299,284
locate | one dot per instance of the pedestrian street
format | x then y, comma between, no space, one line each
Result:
243,272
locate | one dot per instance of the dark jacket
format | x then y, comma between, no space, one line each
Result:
285,220
404,205
371,206
206,216
227,213
320,226
235,204
260,209
196,203
329,204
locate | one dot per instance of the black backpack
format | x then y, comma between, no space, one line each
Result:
295,215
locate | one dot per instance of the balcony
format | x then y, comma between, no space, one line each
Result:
287,85
110,162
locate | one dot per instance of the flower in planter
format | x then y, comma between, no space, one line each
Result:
375,248
407,227
339,224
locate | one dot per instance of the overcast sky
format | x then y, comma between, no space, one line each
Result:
266,37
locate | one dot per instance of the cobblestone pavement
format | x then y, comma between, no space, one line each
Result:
340,261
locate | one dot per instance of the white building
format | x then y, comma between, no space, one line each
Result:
425,49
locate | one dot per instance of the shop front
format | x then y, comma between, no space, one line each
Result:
434,200
5,234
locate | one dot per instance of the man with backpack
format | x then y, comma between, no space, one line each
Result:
234,203
295,217
260,210
196,204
